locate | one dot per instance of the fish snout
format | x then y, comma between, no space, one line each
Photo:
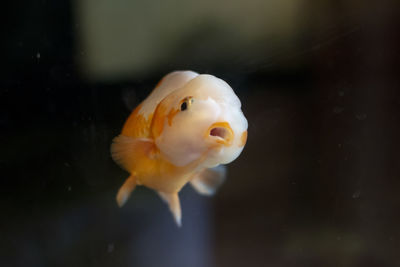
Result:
221,133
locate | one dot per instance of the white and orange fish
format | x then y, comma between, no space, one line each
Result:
182,132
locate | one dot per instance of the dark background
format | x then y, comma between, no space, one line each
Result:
317,184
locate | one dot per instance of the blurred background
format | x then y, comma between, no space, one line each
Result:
317,184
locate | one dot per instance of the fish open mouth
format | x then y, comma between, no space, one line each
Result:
222,132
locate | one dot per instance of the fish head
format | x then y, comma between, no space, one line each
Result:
201,120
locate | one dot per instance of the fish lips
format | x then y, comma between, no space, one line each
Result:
220,133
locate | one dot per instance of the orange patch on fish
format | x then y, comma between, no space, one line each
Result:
243,139
137,125
157,124
171,115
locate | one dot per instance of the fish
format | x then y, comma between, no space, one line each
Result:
186,131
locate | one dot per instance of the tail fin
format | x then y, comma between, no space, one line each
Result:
126,190
174,206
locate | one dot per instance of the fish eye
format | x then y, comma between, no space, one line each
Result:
183,106
186,103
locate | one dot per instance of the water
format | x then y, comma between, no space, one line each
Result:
316,185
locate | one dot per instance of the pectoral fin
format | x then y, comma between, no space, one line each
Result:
126,150
174,205
209,180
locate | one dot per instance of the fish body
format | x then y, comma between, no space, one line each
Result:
182,132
